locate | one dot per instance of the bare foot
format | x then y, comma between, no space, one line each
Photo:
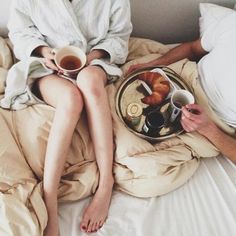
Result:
96,213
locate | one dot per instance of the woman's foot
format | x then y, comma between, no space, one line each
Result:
96,213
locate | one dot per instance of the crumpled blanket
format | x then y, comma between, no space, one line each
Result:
141,169
19,79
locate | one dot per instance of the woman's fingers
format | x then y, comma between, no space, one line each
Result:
47,52
50,56
49,63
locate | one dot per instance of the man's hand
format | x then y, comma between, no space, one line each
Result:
194,118
201,123
47,53
136,67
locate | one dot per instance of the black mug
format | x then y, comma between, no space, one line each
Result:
154,122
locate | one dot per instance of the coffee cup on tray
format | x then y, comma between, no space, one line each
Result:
70,60
179,98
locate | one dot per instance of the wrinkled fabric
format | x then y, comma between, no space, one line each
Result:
141,169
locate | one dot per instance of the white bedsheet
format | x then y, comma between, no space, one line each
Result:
204,206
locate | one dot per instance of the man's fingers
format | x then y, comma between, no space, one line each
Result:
133,68
191,114
194,107
188,125
185,127
129,70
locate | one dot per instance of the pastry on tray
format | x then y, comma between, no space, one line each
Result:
160,87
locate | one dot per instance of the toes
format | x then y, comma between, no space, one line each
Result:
101,223
83,228
90,227
94,228
84,225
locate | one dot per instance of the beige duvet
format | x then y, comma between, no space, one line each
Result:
140,168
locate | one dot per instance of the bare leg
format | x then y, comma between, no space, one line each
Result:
67,100
91,82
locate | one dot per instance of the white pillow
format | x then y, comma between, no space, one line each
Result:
211,15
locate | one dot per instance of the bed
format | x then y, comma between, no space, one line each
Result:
202,203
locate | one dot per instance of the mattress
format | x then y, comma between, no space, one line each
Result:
204,206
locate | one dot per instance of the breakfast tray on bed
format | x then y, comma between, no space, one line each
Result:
132,91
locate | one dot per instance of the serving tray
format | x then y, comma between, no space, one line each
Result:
132,90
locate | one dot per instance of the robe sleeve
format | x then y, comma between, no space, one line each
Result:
117,38
22,32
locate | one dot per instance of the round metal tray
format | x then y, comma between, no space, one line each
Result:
131,91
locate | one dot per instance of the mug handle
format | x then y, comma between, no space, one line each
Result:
174,114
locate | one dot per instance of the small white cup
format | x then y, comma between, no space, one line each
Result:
179,98
70,60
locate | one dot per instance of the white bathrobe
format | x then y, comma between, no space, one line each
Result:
88,24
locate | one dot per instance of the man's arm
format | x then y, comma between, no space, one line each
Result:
201,123
225,143
191,50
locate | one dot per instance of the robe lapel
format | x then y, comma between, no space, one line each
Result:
68,9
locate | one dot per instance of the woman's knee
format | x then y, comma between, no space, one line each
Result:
91,80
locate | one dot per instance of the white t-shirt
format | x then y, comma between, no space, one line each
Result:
218,68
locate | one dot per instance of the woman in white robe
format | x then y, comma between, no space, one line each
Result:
101,28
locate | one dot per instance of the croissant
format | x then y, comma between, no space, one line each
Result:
159,85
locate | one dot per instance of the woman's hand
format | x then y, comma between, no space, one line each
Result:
194,118
96,54
48,54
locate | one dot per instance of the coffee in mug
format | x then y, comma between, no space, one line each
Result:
179,98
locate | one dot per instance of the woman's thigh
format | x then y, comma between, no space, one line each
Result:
56,90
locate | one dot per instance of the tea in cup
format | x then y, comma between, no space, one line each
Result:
179,98
70,60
